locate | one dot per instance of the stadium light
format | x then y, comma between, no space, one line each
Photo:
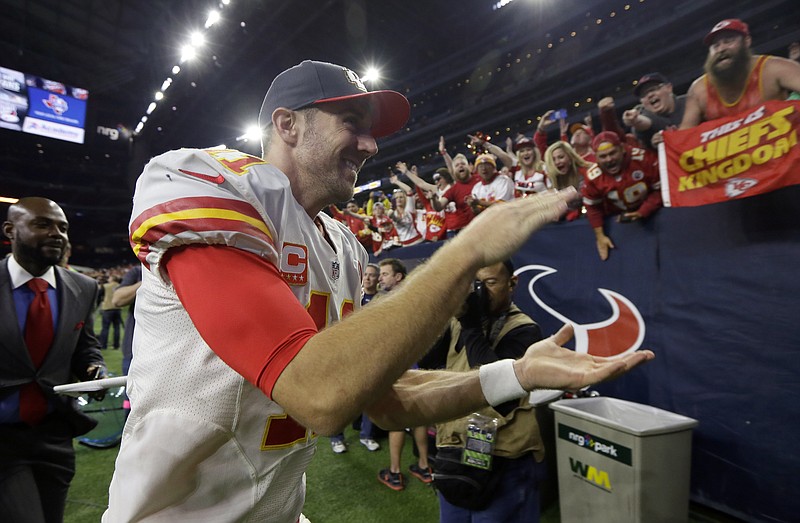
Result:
213,18
252,133
197,39
501,4
372,74
188,53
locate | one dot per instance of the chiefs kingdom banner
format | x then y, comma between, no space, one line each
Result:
752,153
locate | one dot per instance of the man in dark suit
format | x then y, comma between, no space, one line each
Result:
46,339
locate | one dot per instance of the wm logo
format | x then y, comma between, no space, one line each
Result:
591,475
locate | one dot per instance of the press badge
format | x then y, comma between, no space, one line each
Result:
481,436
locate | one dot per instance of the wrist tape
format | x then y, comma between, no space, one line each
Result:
499,382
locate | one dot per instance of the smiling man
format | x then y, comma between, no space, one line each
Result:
492,188
735,79
241,357
46,339
623,182
660,109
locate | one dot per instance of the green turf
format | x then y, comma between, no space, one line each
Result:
88,493
341,488
345,487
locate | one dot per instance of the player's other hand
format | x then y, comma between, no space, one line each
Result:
548,365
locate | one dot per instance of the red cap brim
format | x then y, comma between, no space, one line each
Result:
390,110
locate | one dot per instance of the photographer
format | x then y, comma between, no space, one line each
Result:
491,328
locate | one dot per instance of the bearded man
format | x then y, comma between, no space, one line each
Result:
736,79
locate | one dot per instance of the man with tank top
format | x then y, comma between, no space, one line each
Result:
735,79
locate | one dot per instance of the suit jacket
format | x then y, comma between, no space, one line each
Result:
74,348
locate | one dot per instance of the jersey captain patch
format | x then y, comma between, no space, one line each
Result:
294,264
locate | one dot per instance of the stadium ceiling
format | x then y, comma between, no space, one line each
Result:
464,65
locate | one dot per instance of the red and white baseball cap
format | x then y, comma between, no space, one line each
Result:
312,83
521,142
729,24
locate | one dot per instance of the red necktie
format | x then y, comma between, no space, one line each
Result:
38,338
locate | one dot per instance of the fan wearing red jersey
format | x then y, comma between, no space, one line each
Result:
623,182
435,221
355,221
457,194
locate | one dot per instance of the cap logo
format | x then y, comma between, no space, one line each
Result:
353,78
720,25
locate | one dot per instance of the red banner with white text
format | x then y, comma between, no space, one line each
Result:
752,153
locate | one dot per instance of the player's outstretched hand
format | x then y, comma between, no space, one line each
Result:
500,230
548,365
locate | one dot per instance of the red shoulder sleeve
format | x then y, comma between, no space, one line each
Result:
242,308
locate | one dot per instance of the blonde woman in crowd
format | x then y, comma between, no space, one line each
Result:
404,214
526,167
565,168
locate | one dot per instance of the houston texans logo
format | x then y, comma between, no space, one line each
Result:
623,332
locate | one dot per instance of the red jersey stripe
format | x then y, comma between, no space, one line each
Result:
182,204
197,220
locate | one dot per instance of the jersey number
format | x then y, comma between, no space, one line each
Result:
282,431
635,193
318,308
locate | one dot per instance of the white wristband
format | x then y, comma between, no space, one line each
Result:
499,382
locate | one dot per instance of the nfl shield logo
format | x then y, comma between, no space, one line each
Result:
335,270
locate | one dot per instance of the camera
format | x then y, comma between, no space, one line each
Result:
478,290
477,305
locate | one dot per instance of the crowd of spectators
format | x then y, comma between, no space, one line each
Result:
614,167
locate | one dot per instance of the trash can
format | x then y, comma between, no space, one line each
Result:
620,461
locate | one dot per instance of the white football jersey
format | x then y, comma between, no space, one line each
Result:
202,443
537,182
499,189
